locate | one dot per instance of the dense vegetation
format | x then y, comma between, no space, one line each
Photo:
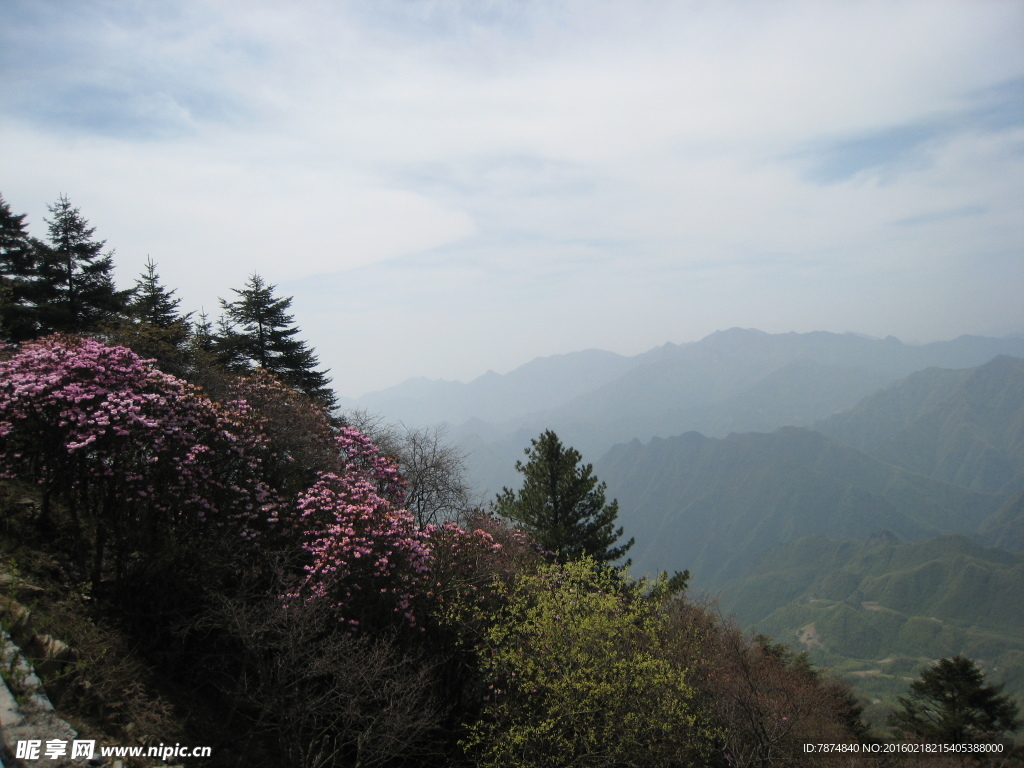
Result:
951,704
880,610
318,599
179,504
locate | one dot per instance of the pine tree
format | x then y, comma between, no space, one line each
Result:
18,254
257,331
950,704
75,291
563,504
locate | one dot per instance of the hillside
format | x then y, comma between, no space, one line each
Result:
715,505
1006,527
964,427
879,609
885,413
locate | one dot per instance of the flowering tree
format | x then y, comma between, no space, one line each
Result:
135,452
298,431
363,459
367,556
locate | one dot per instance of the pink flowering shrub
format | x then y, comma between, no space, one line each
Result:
367,556
362,458
299,435
147,462
128,448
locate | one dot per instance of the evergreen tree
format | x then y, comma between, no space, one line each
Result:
950,704
17,273
257,331
155,329
75,291
152,303
203,336
563,504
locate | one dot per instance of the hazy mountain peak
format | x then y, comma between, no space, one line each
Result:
884,537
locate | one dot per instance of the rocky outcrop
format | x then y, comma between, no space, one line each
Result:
26,712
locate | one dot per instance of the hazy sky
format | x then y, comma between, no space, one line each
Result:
451,187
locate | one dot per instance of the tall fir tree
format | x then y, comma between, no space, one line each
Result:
950,704
152,303
154,327
257,331
563,504
204,338
75,289
18,253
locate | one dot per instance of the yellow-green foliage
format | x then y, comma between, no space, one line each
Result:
577,673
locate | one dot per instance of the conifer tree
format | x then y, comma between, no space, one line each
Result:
75,289
203,335
18,252
258,332
152,303
155,329
950,704
563,504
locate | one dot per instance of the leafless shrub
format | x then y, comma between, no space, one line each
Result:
766,701
434,468
322,696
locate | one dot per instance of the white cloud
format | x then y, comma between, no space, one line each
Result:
498,175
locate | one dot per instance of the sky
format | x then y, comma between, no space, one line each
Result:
447,188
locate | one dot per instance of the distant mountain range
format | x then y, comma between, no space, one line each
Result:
731,381
859,498
544,383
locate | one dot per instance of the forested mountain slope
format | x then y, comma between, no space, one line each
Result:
715,505
1006,527
961,426
881,608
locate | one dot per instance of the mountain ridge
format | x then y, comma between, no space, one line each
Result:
828,347
736,380
960,426
713,505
